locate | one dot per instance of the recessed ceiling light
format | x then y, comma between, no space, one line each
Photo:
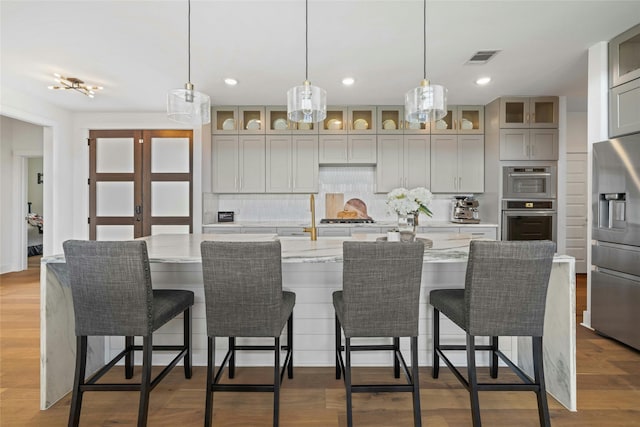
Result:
348,81
230,81
483,81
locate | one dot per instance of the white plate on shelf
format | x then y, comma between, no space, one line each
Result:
441,124
414,125
253,124
229,124
466,124
389,124
334,124
304,126
280,124
360,124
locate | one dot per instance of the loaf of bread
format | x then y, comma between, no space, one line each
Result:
347,214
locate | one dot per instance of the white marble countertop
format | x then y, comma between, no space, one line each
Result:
423,223
185,248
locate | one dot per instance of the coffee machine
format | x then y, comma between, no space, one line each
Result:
465,210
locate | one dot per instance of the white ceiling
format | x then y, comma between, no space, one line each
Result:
137,49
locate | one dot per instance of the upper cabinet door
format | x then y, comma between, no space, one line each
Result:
624,57
469,119
276,121
335,122
525,112
252,120
543,112
362,120
225,153
390,119
225,120
304,164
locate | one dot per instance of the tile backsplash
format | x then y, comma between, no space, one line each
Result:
354,181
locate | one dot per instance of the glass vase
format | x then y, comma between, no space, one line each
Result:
407,227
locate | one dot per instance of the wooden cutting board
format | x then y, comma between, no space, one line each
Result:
334,203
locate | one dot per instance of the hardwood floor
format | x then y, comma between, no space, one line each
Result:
608,387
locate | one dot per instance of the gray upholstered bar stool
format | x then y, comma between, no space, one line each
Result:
244,298
504,295
380,297
112,295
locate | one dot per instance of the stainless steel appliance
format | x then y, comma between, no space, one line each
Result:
529,182
615,253
465,210
529,220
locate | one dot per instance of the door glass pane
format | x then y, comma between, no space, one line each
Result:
114,232
169,229
114,155
170,155
114,198
544,112
514,112
170,198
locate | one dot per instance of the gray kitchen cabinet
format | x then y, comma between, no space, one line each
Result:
460,119
480,233
347,149
221,230
361,120
292,232
224,120
457,163
624,109
403,161
334,231
238,164
292,164
238,120
390,119
276,120
528,144
529,112
624,57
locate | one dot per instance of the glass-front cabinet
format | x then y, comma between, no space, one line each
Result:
335,122
231,120
526,112
460,119
362,119
277,121
624,57
390,119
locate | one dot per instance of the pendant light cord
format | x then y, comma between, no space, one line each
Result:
189,42
306,40
424,41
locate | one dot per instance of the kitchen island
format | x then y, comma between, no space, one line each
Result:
313,270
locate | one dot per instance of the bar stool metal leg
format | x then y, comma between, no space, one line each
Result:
276,382
347,379
473,381
187,343
78,381
396,357
129,357
493,361
145,384
232,359
290,346
417,412
338,336
435,365
541,393
211,349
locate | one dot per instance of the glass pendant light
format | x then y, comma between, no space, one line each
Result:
188,105
306,103
427,102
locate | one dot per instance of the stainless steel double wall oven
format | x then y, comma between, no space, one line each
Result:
529,202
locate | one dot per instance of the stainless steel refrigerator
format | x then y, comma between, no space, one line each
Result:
615,253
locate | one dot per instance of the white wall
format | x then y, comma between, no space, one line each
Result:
58,168
18,140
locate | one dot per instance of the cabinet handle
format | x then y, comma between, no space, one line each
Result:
401,126
241,125
527,119
532,150
459,183
235,183
455,124
455,187
240,183
533,117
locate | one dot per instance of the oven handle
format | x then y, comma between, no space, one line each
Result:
525,212
517,174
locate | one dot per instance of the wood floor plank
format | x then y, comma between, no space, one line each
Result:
608,387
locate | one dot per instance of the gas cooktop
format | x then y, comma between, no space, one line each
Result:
347,221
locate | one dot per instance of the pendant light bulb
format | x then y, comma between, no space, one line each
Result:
427,102
188,105
306,103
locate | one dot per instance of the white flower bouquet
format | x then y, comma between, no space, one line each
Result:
408,202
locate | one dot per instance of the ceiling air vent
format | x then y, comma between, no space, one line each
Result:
482,56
